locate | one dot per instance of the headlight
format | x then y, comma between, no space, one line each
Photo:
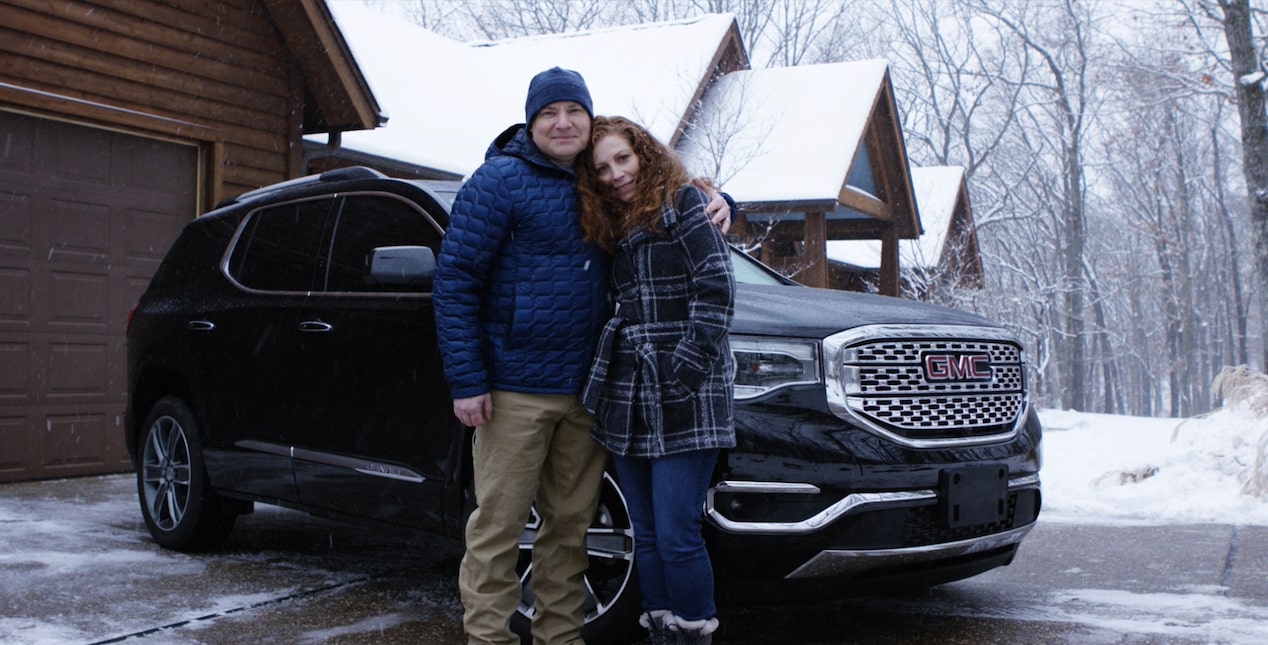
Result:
763,365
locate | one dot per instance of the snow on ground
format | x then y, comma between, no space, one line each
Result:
1100,468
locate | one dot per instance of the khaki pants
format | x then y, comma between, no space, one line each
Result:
533,445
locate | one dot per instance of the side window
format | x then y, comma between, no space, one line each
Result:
280,248
365,223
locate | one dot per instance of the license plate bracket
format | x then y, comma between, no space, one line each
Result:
974,495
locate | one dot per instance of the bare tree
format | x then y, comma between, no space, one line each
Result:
439,16
1059,33
796,25
499,19
1238,353
957,105
1246,66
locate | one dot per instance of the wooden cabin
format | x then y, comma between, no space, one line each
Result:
120,120
814,153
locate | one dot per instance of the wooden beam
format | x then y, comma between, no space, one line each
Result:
784,207
815,252
889,263
854,229
865,204
215,174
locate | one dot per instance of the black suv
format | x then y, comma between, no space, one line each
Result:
285,353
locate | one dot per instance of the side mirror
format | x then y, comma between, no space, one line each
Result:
411,266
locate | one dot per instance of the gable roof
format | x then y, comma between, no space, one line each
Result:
807,138
447,100
339,96
939,193
792,132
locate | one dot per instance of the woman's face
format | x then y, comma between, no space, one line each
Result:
616,166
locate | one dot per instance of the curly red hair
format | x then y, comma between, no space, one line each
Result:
605,219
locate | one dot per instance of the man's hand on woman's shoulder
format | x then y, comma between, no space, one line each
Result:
719,207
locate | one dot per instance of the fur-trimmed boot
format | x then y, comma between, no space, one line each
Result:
658,632
693,632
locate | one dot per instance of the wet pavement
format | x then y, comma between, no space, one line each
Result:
78,566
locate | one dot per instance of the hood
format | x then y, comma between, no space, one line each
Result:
512,141
515,142
805,312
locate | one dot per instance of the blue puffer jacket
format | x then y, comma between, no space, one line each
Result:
519,296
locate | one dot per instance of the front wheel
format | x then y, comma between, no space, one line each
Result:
613,600
179,506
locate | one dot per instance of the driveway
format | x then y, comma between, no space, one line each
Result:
78,566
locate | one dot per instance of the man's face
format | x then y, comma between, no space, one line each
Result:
561,131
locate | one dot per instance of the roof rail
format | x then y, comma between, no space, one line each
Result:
351,172
338,174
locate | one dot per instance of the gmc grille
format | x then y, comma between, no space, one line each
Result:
928,386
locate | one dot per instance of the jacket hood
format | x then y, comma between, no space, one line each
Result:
515,142
805,312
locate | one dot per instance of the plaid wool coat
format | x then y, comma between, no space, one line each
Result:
663,377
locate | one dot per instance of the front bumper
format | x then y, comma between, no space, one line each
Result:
867,533
853,563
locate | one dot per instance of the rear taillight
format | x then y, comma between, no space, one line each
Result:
131,313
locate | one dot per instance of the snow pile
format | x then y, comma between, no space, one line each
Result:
1246,388
1115,469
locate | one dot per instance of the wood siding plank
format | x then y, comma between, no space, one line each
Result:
107,20
143,97
109,65
28,21
249,29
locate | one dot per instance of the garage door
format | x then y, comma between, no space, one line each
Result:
85,217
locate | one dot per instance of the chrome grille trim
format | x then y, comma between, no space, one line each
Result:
852,503
875,378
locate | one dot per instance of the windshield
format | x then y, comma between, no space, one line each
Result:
750,271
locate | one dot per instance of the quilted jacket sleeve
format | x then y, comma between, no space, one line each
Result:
479,223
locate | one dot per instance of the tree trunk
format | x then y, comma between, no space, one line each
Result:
1075,234
1238,354
1250,107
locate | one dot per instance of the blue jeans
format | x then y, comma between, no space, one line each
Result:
665,497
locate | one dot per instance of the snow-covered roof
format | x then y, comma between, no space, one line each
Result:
791,132
446,100
937,190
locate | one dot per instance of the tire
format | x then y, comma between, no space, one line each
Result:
613,599
177,502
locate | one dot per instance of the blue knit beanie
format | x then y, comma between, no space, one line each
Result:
556,84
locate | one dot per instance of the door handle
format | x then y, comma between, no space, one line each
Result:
200,325
313,326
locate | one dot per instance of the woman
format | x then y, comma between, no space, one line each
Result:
662,384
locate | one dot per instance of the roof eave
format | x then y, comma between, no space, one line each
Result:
331,75
728,57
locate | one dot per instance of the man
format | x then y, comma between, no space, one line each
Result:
520,298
